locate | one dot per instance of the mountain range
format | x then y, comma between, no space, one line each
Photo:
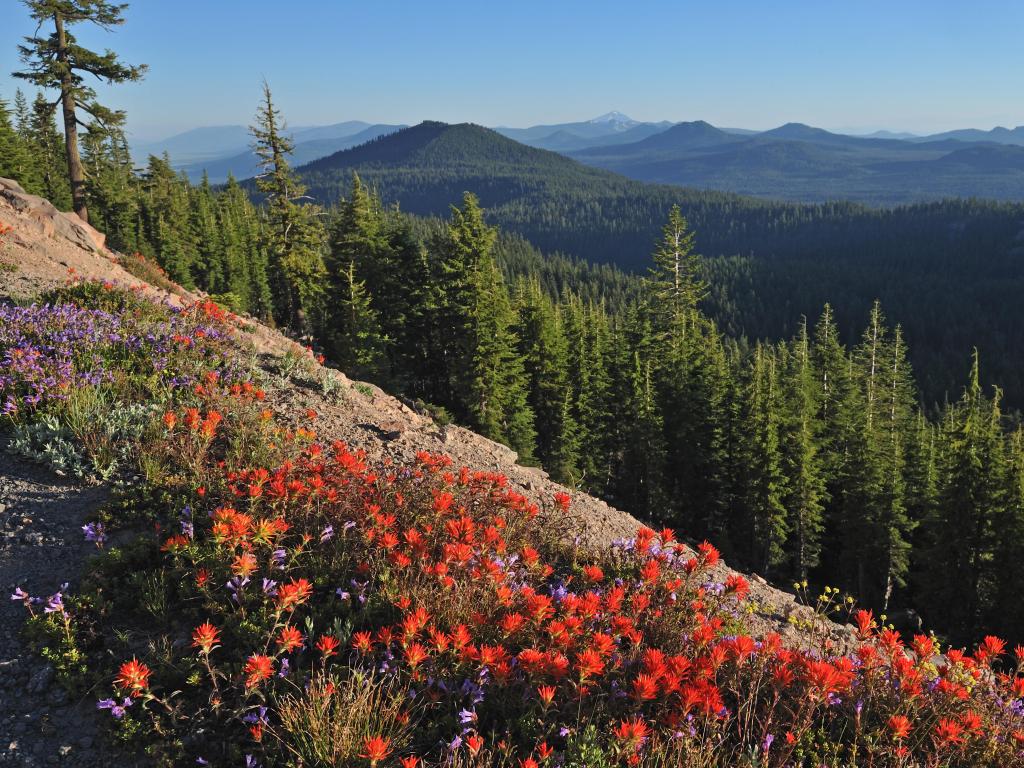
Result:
222,150
792,162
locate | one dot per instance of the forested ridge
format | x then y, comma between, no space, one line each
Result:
810,458
947,271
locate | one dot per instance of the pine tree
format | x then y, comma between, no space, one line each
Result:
677,285
544,350
112,189
46,147
806,494
295,234
245,255
970,501
164,221
14,158
211,268
17,160
359,267
764,524
58,61
589,362
1005,614
357,340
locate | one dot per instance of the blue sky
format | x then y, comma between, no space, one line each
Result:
900,64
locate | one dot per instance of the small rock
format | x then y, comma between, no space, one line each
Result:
40,679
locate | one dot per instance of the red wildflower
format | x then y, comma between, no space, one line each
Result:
375,749
546,693
362,642
900,726
708,553
865,623
651,571
244,565
589,663
991,647
737,585
294,594
948,732
328,645
205,637
633,733
645,687
257,669
415,654
593,574
563,500
289,638
133,676
474,743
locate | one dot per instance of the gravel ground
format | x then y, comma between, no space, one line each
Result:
41,547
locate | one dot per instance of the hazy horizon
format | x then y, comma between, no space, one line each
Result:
847,69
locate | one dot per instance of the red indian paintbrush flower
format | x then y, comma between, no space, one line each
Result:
294,593
328,645
289,638
375,749
133,676
257,669
633,733
900,726
205,637
474,742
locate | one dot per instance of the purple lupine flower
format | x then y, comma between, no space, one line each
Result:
467,716
95,532
327,534
54,604
117,710
258,715
235,587
20,594
270,587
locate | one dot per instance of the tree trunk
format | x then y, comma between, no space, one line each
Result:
76,173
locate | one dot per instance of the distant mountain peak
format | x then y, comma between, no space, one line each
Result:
614,117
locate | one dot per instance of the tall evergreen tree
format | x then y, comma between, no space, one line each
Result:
47,148
295,233
14,157
544,350
58,61
802,458
764,527
958,581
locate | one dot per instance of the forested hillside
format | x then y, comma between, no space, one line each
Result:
947,271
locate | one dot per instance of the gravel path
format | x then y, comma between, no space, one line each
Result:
41,547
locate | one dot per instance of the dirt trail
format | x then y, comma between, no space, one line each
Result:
41,548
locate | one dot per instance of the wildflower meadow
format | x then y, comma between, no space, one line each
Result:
263,596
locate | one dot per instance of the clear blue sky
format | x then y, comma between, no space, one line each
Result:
898,64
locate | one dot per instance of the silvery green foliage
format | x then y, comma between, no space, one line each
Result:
118,429
46,441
